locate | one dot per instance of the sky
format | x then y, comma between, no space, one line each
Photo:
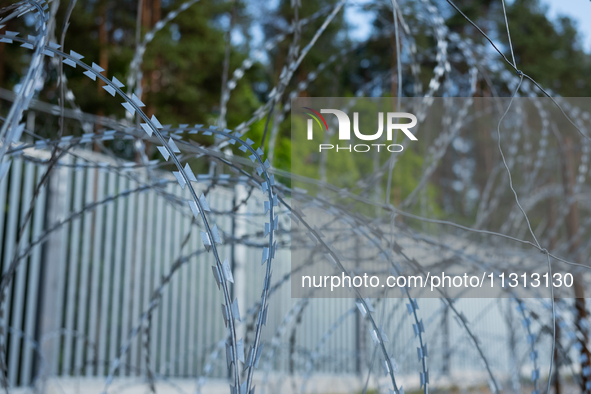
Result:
579,10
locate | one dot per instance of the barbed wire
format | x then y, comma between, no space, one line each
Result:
246,343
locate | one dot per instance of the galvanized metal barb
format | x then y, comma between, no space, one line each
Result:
139,248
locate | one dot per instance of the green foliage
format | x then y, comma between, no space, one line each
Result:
182,72
550,52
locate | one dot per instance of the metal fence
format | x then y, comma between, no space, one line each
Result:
101,244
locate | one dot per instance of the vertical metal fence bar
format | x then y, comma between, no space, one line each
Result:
192,298
33,283
3,192
107,279
183,287
11,231
210,304
97,249
165,322
188,286
219,329
116,277
73,273
82,311
128,271
20,277
140,265
148,244
174,287
63,259
201,269
157,316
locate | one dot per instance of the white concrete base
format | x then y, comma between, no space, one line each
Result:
277,383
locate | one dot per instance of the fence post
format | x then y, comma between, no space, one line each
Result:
50,312
239,260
